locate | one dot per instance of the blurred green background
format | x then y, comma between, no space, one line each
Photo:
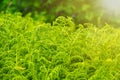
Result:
82,11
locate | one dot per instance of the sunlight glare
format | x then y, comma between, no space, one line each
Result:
112,5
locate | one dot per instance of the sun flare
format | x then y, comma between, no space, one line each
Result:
112,5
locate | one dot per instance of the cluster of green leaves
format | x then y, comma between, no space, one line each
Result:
33,50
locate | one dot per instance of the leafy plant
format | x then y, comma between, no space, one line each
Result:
34,50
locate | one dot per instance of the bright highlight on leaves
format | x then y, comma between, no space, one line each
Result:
112,5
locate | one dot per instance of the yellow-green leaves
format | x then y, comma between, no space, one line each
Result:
33,50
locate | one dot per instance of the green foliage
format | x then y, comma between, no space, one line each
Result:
47,10
33,50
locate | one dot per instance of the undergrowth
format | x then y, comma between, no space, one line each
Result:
33,50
